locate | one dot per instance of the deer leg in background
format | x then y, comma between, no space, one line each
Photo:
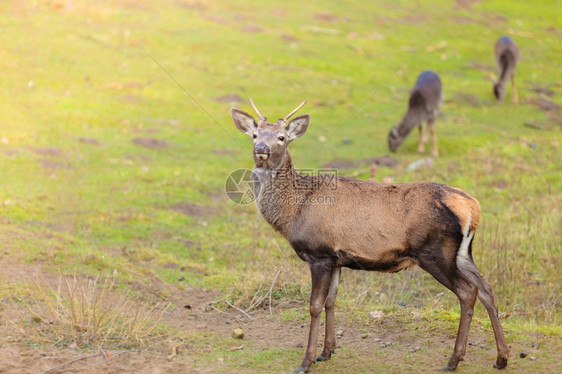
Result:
431,128
321,273
421,145
515,96
330,336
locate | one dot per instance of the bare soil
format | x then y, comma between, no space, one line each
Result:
391,338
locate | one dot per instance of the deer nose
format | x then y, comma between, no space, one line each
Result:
261,148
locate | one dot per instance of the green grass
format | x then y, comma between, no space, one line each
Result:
95,71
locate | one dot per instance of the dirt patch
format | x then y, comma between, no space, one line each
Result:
216,19
467,98
347,164
54,165
279,12
545,104
90,141
327,17
131,99
388,161
223,152
339,164
22,360
194,210
192,5
252,29
289,38
415,18
479,66
229,98
48,151
466,3
545,89
151,143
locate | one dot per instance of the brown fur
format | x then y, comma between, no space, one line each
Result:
343,222
465,209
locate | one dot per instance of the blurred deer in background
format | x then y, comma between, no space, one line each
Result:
506,53
425,100
343,222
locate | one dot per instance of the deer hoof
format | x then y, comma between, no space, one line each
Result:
319,358
500,363
448,368
300,370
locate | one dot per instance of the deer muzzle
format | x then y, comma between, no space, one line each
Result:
262,151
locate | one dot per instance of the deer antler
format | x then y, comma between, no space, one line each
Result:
257,111
294,111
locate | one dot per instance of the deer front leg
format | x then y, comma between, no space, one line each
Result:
421,144
431,128
321,274
330,337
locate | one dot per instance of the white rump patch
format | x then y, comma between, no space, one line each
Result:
462,255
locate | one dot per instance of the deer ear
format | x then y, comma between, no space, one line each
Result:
244,121
297,127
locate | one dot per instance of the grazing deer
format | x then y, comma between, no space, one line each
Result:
343,222
425,100
507,55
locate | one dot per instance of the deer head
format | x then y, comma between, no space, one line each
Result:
270,139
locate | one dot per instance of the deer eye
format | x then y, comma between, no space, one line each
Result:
281,138
255,136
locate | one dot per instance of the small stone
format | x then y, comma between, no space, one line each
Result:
415,349
339,332
522,354
378,339
376,314
482,346
238,334
181,279
299,345
471,343
532,358
364,336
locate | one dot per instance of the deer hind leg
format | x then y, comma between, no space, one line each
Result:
423,139
321,274
446,272
515,96
486,296
330,337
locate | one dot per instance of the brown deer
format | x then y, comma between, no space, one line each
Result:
343,222
506,53
425,100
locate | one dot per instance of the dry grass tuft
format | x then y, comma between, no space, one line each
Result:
86,312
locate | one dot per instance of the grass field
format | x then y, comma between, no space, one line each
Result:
116,141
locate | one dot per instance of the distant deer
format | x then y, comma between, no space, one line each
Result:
425,100
366,225
507,56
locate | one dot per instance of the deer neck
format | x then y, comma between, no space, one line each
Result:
275,192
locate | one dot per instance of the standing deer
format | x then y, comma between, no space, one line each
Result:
368,226
425,100
507,55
